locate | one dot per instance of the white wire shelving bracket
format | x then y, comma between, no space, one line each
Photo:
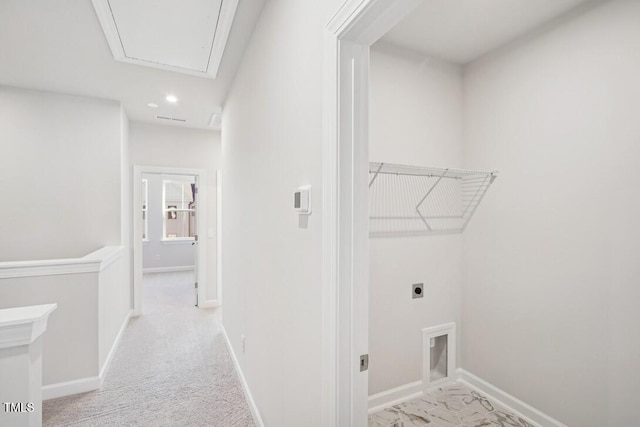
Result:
417,200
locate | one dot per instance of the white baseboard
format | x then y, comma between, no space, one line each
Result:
83,385
528,412
210,303
252,404
67,388
394,396
114,346
168,269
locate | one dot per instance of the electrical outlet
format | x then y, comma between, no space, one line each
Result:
417,290
243,343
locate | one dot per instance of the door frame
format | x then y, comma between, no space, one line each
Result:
345,164
201,227
219,239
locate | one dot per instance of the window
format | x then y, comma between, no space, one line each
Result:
145,203
178,200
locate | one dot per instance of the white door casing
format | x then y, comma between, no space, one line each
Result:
348,37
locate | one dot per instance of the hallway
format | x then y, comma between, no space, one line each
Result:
172,368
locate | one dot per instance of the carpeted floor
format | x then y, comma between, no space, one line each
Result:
172,368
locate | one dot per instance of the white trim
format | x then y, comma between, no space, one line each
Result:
165,209
23,325
49,267
168,269
145,210
245,386
393,396
210,303
403,393
82,385
344,391
526,411
329,236
354,27
114,346
225,20
67,388
448,329
178,241
219,237
106,255
91,263
201,227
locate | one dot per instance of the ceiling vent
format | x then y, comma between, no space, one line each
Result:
186,36
173,119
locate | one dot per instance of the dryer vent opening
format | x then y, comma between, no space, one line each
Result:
439,355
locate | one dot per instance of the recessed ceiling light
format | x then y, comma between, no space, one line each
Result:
152,105
171,98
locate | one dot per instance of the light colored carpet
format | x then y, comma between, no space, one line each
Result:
172,368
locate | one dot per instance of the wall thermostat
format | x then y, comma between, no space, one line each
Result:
302,200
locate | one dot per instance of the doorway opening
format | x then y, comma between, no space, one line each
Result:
169,214
169,238
449,87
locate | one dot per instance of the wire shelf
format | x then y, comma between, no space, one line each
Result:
416,200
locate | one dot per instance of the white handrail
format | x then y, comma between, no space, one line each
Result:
22,325
91,263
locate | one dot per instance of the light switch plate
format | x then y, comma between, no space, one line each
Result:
302,200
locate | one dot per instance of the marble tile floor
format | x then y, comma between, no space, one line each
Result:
453,405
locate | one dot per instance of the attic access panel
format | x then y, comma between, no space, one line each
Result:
187,36
417,200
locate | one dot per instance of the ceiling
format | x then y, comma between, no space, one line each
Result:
461,31
57,47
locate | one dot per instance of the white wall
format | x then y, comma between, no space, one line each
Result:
126,197
114,303
415,119
271,144
65,168
551,267
70,343
61,169
176,147
92,309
